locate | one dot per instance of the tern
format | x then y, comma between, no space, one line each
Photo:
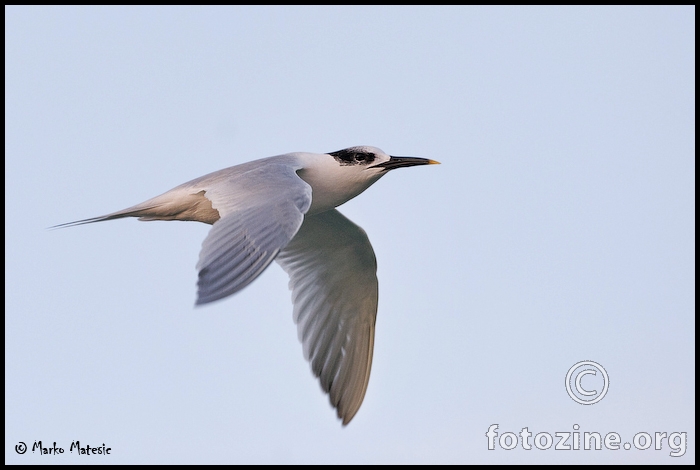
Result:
282,208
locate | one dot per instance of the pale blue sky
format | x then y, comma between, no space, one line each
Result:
560,227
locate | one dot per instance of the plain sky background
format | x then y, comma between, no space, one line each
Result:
560,227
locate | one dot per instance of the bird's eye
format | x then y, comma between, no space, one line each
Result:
360,157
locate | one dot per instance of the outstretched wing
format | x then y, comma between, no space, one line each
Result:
333,278
261,209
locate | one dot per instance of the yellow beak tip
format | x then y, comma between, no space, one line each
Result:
433,162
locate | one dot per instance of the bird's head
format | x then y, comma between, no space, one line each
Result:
337,177
372,159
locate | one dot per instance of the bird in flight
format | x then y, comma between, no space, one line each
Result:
282,208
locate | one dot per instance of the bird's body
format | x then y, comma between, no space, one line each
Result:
283,208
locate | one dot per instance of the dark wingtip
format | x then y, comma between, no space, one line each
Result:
202,301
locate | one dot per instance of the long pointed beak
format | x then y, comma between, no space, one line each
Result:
400,162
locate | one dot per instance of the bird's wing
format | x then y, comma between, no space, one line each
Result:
261,209
333,278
